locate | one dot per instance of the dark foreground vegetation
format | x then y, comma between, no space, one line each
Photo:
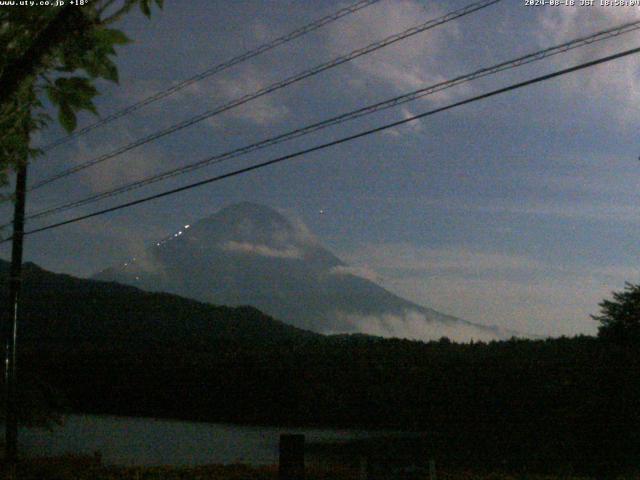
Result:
560,406
85,468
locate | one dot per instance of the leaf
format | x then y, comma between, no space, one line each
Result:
160,3
53,94
67,118
108,36
110,72
145,8
76,91
71,95
118,37
65,69
91,107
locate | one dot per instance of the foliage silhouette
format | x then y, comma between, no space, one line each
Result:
620,318
58,53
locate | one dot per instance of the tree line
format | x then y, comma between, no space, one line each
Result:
537,405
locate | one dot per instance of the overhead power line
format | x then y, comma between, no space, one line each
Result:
349,138
310,27
273,87
367,110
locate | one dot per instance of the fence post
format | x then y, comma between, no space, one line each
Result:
363,474
432,469
291,463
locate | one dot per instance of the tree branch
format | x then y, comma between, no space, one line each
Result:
105,7
128,5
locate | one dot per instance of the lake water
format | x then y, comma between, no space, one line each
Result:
141,441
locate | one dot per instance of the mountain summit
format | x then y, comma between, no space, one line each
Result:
249,254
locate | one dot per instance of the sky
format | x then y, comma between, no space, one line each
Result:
522,210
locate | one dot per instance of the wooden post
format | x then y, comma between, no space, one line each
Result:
363,474
432,469
291,464
11,313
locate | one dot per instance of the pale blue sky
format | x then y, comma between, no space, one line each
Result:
520,211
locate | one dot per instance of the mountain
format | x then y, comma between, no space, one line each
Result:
249,254
61,312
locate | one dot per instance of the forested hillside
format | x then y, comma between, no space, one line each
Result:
537,405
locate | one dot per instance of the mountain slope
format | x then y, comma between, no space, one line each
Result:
248,254
63,312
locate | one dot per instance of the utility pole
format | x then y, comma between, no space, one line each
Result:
12,311
13,76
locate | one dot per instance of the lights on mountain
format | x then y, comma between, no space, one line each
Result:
131,261
175,235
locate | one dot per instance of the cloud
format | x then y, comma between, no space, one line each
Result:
581,207
135,90
615,84
209,94
262,250
583,173
362,272
229,87
97,243
412,127
290,238
571,209
619,273
406,65
493,288
105,175
408,257
542,305
302,235
414,325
